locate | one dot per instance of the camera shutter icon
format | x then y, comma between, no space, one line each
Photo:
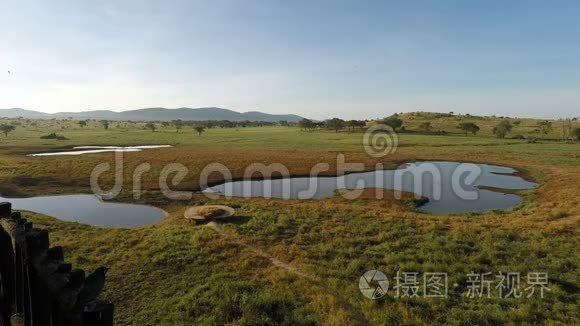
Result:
373,284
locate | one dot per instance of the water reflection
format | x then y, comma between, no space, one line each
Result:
449,189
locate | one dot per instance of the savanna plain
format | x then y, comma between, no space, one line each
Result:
298,262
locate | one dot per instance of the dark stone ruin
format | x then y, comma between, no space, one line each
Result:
37,286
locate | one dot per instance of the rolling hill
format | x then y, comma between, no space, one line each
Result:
155,114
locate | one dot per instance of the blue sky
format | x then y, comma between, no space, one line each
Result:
351,59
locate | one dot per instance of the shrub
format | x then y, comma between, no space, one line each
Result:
54,136
531,140
545,126
426,127
468,127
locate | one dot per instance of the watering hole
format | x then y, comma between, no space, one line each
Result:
452,187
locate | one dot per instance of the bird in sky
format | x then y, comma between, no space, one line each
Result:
9,72
93,286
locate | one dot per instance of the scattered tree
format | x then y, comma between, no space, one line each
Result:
502,129
151,126
577,133
567,129
306,124
545,126
393,121
469,127
6,129
83,123
335,123
351,124
105,124
200,129
178,124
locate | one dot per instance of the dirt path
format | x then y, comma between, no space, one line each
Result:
356,315
214,226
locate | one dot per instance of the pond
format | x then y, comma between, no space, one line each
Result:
89,209
80,150
452,187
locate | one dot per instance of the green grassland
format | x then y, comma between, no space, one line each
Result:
298,150
174,273
133,133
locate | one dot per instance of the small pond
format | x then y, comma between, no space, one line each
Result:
89,209
451,187
80,150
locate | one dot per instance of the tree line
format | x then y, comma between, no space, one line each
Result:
501,130
335,124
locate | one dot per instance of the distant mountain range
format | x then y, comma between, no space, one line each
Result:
155,114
